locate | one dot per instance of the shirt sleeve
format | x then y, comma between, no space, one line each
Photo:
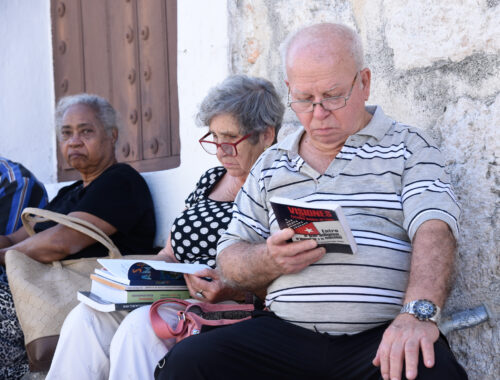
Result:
426,189
15,196
250,220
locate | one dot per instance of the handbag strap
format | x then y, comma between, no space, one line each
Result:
161,328
32,214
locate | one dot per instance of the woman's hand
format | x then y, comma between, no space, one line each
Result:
210,291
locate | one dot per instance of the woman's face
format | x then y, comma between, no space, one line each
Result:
84,143
224,128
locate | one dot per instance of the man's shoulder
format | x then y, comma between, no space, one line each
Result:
11,171
388,131
409,135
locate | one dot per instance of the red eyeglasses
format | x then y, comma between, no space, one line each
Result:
228,148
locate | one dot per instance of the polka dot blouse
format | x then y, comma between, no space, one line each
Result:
197,229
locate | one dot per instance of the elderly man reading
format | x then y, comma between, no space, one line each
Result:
333,315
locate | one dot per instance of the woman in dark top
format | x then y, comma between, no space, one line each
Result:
112,196
243,115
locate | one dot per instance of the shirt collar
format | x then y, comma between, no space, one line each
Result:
378,125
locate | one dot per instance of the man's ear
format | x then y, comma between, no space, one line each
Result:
268,136
365,81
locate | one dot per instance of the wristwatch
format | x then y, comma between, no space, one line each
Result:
423,310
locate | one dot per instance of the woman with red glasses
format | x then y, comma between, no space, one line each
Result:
243,115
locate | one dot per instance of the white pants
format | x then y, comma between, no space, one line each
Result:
94,345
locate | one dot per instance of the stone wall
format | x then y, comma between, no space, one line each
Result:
436,65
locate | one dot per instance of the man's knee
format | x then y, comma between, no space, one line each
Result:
188,359
446,366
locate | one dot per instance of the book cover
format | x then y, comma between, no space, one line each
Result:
115,295
323,222
118,285
98,303
147,272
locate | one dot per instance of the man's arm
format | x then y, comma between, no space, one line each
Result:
10,240
253,267
13,238
431,268
57,242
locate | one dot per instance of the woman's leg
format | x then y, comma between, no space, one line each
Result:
83,348
135,349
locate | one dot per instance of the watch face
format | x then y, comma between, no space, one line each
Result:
424,309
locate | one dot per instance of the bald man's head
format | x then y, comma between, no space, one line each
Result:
321,42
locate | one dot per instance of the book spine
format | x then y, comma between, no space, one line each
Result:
130,306
180,282
139,296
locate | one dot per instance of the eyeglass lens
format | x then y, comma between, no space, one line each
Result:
211,148
328,104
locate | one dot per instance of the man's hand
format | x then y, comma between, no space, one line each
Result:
292,257
212,291
402,342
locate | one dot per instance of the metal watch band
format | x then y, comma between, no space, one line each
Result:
409,308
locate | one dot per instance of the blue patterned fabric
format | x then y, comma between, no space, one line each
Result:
19,189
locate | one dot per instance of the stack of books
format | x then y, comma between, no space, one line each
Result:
127,284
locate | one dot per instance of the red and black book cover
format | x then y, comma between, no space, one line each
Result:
310,221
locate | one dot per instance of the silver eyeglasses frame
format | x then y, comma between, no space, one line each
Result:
306,106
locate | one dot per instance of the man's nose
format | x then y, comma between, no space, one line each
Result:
319,112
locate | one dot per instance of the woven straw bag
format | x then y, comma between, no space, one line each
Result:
45,293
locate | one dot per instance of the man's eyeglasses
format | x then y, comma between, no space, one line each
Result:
228,148
330,104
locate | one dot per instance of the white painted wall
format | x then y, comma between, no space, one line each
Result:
26,86
27,93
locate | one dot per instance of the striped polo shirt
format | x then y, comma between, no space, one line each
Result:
19,189
389,178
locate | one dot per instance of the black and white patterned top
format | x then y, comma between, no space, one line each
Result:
197,229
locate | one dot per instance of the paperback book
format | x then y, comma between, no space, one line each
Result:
98,303
321,221
117,285
147,272
115,295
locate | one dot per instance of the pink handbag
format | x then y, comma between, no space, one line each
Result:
196,317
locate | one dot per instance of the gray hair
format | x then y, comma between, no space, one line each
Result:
318,32
104,111
252,101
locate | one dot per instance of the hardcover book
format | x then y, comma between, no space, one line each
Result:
321,221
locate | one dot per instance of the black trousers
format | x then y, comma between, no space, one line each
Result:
265,347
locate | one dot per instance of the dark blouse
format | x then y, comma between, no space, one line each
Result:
121,197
